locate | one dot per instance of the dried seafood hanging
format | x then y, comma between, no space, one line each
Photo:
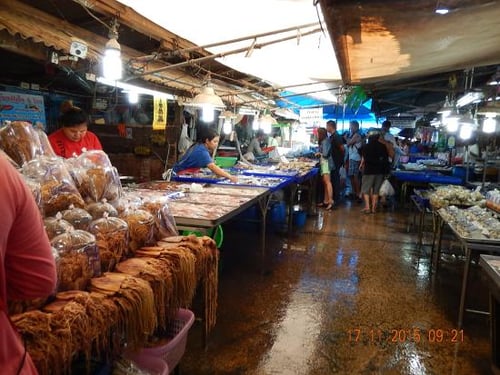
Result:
49,345
159,276
207,263
182,264
135,301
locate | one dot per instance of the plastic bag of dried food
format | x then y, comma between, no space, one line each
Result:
78,259
54,226
141,226
129,200
36,191
96,177
20,141
45,145
57,186
111,234
78,217
9,159
98,209
164,221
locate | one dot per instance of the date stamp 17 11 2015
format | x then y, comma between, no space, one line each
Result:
402,335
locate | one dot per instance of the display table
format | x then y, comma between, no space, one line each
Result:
211,205
491,267
412,179
469,244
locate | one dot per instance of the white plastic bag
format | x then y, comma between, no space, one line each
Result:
386,189
184,141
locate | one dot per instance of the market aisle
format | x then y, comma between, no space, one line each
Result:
348,295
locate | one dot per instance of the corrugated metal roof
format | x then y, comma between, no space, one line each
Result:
21,20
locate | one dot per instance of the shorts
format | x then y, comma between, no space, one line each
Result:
353,167
371,181
324,168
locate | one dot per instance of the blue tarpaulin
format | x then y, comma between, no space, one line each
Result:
341,114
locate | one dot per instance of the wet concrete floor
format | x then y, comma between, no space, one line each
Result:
348,293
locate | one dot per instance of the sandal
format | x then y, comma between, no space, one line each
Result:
366,210
323,204
329,206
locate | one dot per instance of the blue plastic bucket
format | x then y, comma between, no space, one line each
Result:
277,213
299,218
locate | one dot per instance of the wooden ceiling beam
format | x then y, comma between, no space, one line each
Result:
129,17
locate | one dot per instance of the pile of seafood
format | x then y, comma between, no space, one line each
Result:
473,223
493,199
447,195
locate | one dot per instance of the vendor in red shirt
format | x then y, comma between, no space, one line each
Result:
73,138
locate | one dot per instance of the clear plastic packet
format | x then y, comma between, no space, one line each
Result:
95,176
46,147
9,159
78,217
54,226
141,226
57,186
36,191
78,259
20,141
112,237
99,209
164,221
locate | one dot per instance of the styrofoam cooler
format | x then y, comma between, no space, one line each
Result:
173,350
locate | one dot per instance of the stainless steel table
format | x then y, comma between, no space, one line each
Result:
469,245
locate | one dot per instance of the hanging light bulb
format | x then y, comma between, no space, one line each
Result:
227,127
207,113
451,124
255,123
133,97
112,62
465,131
489,124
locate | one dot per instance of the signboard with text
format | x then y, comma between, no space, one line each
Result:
312,116
22,107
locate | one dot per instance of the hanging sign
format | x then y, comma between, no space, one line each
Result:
160,113
402,121
22,107
312,116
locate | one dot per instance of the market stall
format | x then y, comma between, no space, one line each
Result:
478,230
491,267
200,208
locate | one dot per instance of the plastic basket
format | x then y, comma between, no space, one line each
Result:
151,364
225,161
172,351
217,234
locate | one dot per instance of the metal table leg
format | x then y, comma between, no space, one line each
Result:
293,194
464,286
263,205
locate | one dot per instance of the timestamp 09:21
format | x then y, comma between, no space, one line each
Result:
402,335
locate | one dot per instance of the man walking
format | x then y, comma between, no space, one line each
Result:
337,151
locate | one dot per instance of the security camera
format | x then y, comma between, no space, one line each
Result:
78,49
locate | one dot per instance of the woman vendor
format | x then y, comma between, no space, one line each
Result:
199,155
73,138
